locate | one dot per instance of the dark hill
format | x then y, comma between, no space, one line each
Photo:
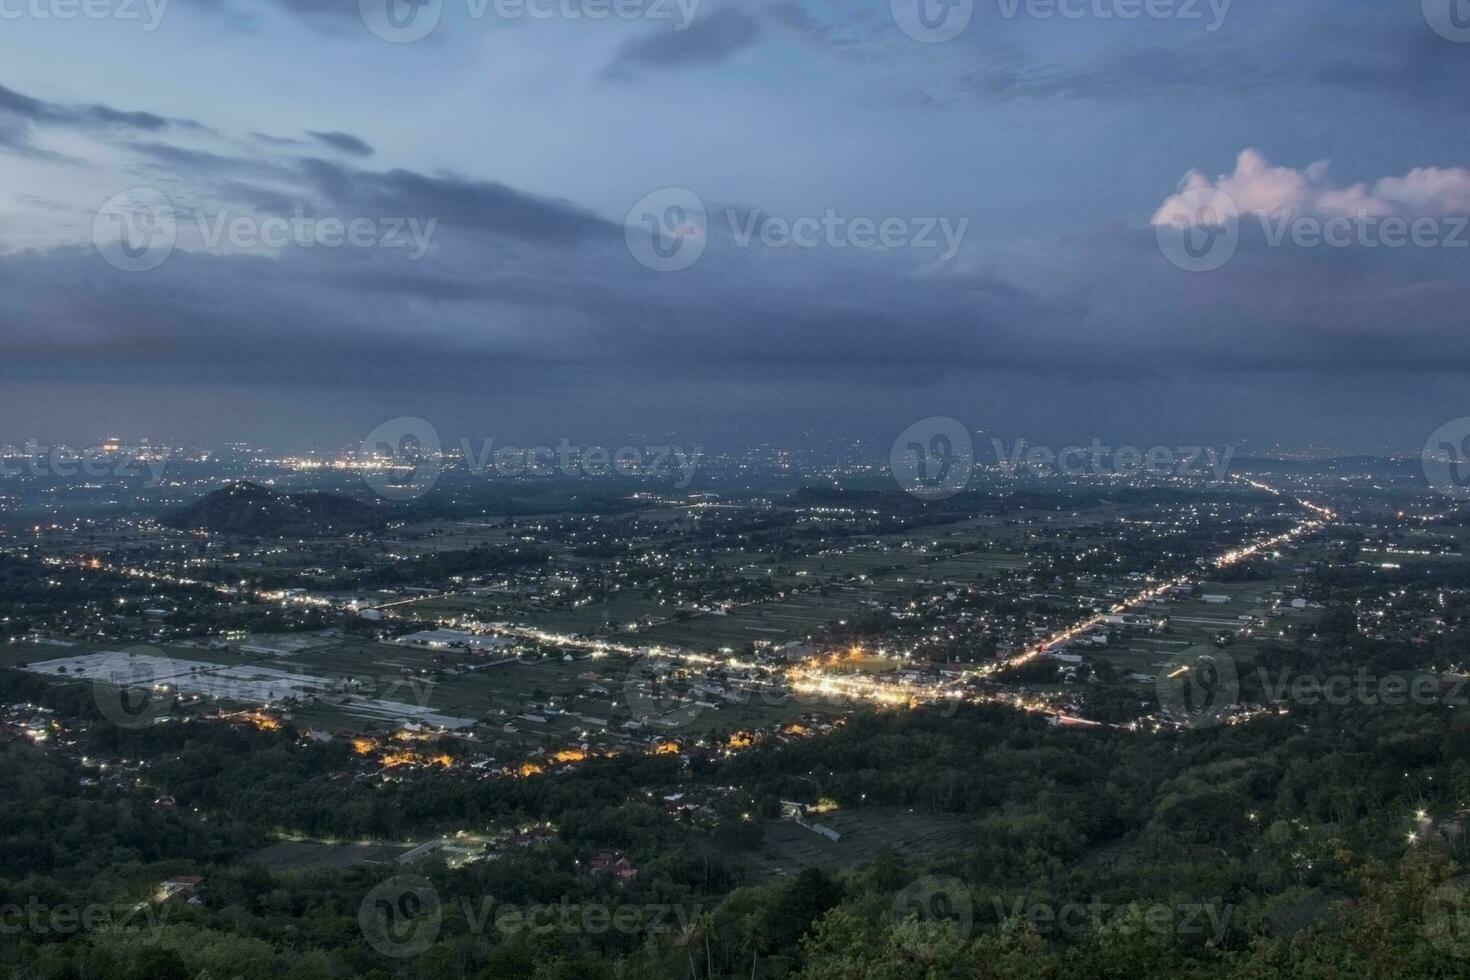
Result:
252,510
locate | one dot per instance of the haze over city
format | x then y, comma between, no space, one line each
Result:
522,142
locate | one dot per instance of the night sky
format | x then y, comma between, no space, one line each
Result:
531,152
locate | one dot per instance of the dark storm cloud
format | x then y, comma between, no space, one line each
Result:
708,40
203,163
280,186
20,113
269,140
267,200
518,280
38,110
338,317
472,205
345,142
487,303
541,293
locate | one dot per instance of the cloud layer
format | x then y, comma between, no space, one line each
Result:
1261,188
527,142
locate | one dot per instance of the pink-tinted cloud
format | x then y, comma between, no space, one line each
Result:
1259,187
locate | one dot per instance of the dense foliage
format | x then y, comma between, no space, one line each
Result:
1268,849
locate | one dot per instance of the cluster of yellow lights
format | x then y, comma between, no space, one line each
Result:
810,678
408,757
813,680
261,720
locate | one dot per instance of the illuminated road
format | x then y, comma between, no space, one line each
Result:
811,680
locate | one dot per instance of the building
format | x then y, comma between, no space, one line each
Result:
615,864
184,885
444,639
